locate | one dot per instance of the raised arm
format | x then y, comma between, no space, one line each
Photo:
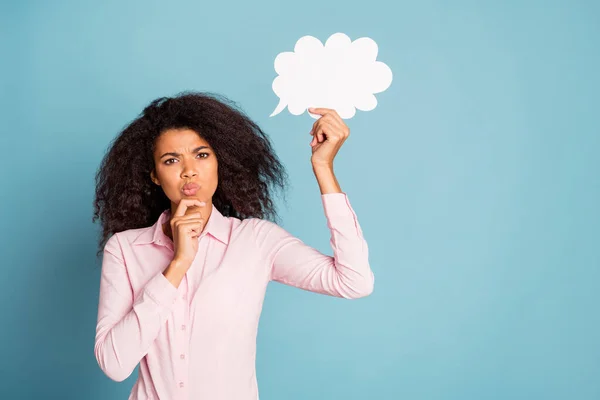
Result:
346,274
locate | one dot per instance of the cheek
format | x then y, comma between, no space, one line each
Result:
168,177
214,174
215,169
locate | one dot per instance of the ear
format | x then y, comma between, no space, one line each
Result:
154,178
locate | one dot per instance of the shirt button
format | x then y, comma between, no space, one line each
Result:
182,356
183,327
184,297
180,384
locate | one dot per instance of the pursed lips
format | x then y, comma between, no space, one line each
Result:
190,189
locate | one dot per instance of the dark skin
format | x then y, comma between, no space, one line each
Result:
182,156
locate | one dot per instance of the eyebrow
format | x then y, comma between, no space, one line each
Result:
197,149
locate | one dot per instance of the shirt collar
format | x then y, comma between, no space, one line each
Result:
217,226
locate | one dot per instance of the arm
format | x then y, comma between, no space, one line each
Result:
346,274
126,327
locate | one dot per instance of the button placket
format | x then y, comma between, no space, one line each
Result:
182,336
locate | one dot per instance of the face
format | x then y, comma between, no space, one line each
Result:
182,157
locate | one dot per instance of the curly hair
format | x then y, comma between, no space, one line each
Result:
249,170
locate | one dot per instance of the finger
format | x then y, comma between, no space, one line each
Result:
314,126
184,223
321,135
321,132
318,130
327,113
186,206
336,125
326,131
193,210
190,227
187,217
185,203
322,118
320,111
318,134
194,231
335,116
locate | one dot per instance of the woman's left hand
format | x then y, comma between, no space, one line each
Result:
329,133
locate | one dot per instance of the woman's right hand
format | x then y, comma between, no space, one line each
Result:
186,226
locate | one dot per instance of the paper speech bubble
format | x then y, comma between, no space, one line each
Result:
342,75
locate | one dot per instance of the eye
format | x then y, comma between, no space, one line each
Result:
169,161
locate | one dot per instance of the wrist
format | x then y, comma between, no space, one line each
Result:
322,166
326,178
180,263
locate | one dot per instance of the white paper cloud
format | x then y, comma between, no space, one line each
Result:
342,75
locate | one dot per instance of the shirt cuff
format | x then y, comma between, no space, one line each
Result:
161,290
336,204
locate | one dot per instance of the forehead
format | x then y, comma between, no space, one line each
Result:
179,139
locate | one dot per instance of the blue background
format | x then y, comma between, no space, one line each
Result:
475,181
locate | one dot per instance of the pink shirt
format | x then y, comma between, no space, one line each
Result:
198,341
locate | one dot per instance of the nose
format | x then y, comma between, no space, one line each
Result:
188,170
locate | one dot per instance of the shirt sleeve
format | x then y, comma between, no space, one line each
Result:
346,274
127,326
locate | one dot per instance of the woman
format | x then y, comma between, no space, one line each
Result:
183,196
